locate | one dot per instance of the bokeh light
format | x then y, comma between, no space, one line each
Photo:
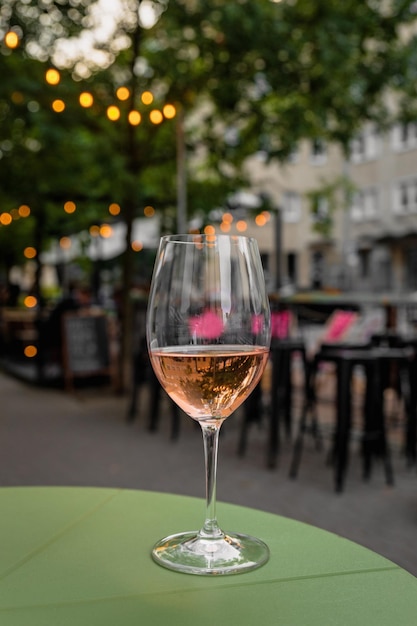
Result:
30,351
113,113
137,246
169,111
30,302
149,211
134,118
5,218
24,210
106,231
58,106
147,97
65,243
123,93
70,207
11,39
114,208
241,226
260,220
156,116
209,230
52,76
86,99
29,252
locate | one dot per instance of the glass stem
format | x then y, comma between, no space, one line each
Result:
211,529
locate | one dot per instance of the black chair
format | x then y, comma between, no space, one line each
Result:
281,402
374,439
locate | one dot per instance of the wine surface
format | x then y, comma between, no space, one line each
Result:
209,381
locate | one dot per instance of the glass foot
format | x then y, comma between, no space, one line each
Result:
191,553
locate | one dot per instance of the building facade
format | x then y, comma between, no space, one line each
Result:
346,223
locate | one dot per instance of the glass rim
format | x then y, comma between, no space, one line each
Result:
202,238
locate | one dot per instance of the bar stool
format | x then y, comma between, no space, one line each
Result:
282,352
374,440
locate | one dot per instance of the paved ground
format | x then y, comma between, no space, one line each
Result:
49,437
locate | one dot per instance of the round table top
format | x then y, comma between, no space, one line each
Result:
81,556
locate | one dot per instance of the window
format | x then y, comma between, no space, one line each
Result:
291,207
405,196
318,154
404,136
365,205
365,146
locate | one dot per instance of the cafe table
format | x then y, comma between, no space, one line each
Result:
81,556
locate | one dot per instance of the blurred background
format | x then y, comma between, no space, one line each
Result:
291,121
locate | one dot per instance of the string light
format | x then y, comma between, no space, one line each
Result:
106,231
156,116
30,302
209,230
70,207
147,97
52,76
114,209
169,111
29,252
86,99
65,243
123,93
149,211
30,351
11,39
113,113
5,219
58,106
134,118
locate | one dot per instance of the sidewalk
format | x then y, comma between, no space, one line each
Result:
49,437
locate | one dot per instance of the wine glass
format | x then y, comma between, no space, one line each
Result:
208,333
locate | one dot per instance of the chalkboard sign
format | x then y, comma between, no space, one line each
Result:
86,345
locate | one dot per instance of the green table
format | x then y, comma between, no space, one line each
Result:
81,556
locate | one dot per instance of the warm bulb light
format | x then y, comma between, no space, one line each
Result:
134,118
86,99
30,351
58,106
147,97
241,226
52,76
209,230
123,93
30,302
114,208
106,231
260,220
113,113
29,252
70,207
137,246
156,116
169,111
24,210
11,39
5,219
149,211
65,243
